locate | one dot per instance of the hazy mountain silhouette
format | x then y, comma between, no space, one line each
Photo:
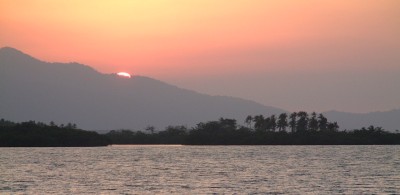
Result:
389,120
31,89
71,92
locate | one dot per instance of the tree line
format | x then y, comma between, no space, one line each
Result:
296,122
39,134
298,128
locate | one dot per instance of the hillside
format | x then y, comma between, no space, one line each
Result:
72,92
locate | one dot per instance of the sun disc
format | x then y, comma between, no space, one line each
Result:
124,74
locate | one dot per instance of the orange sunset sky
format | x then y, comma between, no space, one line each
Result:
293,54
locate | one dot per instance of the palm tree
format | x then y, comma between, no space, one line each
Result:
272,122
322,122
334,126
293,122
313,124
267,124
282,122
302,123
258,122
248,121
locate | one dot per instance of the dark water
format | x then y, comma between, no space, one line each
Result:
201,170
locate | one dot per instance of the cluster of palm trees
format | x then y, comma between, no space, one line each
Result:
296,121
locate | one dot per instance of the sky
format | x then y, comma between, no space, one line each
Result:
307,55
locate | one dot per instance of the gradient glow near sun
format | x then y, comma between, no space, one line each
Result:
124,74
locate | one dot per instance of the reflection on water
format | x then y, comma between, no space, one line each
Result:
201,170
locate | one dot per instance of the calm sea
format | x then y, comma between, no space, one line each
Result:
201,170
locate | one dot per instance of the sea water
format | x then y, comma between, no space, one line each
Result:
161,169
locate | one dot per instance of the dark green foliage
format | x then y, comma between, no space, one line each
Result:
37,134
313,122
292,122
222,132
249,120
259,123
322,122
305,130
302,122
272,123
333,126
171,135
282,122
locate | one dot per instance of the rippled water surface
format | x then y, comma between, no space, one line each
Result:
201,170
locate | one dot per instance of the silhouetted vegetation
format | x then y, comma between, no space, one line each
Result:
171,135
303,129
37,134
297,128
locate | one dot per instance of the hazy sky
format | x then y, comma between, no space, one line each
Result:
293,54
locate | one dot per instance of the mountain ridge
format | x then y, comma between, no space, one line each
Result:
72,92
386,119
77,93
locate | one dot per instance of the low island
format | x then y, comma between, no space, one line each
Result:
285,129
38,134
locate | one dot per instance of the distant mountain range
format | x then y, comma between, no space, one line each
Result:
71,92
389,120
31,89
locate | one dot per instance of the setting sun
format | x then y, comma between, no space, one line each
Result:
222,47
124,74
124,82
